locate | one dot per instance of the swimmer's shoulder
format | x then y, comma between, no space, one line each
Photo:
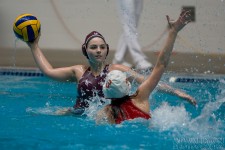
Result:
79,70
119,67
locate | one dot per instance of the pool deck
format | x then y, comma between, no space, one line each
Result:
187,63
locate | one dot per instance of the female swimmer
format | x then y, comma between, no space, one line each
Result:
117,87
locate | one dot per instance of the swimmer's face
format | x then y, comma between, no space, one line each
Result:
96,50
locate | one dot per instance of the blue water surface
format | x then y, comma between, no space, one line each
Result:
28,119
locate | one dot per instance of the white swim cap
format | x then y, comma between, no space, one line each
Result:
116,85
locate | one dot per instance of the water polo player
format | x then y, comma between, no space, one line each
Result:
117,87
89,78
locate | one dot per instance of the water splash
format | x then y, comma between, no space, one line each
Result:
179,121
207,123
94,106
167,117
14,52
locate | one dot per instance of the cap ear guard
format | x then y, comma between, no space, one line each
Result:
85,52
107,45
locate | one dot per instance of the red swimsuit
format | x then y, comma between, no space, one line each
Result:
126,110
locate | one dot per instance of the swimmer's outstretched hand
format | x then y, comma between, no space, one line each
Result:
184,19
168,89
187,97
34,43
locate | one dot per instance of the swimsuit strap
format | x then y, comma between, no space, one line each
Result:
105,70
124,109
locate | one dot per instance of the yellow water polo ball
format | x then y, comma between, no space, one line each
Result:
27,27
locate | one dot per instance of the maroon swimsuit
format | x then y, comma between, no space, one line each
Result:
90,86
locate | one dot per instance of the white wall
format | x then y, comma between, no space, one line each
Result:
65,23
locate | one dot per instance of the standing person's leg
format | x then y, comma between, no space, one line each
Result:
120,52
138,10
131,19
122,45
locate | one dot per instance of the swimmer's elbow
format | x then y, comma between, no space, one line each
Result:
48,72
162,63
59,76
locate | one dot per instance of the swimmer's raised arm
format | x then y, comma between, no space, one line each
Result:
61,74
163,59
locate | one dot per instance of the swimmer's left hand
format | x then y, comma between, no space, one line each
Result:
184,19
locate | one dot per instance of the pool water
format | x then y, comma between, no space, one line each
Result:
28,121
